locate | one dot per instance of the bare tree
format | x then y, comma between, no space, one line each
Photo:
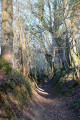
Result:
7,31
71,35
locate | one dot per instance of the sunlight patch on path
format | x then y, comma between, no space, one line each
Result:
39,88
42,91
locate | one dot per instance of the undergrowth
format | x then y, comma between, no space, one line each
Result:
15,94
40,78
75,104
64,82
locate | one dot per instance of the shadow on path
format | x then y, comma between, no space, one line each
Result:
46,105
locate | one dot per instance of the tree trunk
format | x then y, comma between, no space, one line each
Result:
67,23
56,56
7,31
71,34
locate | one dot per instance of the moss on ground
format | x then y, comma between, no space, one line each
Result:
4,66
14,94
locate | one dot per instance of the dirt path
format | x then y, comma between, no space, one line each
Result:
46,105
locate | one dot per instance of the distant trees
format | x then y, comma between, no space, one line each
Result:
46,12
50,25
54,16
21,42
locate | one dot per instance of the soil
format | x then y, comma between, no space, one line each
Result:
47,105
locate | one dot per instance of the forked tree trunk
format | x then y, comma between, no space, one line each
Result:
71,34
7,31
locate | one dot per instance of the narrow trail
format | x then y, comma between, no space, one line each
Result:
46,105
